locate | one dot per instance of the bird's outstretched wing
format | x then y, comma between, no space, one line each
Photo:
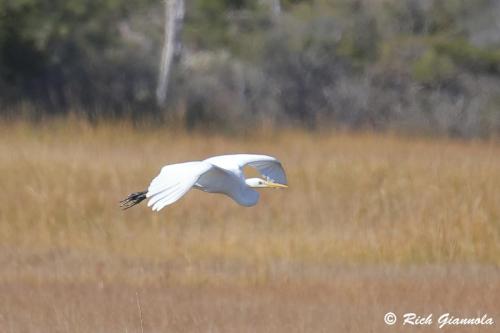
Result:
268,166
173,182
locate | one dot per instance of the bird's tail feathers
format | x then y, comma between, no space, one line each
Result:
133,199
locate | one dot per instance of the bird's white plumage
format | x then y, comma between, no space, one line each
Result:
268,166
173,182
220,174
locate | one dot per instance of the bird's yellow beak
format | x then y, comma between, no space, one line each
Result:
275,185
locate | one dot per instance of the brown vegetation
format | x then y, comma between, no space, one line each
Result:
369,224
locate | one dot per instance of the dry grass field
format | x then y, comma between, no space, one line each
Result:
369,224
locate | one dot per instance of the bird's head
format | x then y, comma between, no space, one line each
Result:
259,182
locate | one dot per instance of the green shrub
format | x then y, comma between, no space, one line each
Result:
433,68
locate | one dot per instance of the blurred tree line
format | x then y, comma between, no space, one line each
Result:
427,66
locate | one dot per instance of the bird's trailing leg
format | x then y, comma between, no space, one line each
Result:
133,199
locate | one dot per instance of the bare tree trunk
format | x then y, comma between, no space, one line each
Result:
273,5
276,7
174,17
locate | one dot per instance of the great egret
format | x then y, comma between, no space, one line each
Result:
220,174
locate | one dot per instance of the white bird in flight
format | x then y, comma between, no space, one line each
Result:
219,174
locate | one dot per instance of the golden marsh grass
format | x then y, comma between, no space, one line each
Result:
369,224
